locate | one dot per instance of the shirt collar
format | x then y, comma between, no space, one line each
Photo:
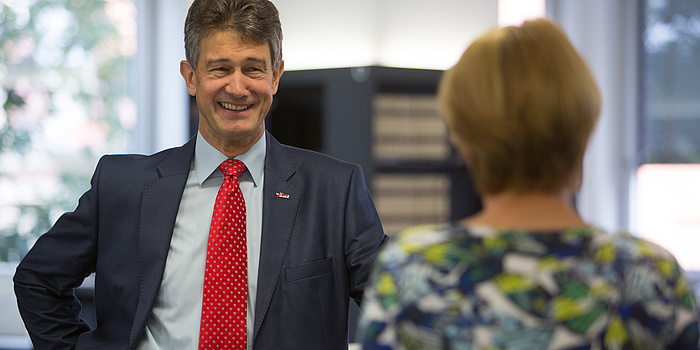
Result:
207,159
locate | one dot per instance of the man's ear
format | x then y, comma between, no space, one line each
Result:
190,79
276,75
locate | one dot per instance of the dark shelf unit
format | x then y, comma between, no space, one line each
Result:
331,110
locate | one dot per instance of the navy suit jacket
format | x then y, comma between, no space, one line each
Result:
316,251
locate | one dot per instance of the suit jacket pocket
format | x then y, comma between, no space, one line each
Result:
312,269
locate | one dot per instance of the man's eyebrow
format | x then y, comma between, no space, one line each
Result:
215,61
257,60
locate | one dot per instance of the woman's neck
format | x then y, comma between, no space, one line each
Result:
528,211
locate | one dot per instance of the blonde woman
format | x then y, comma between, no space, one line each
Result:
526,272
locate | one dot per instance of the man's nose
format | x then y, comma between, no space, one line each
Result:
237,85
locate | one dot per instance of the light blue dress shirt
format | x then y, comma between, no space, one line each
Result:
174,323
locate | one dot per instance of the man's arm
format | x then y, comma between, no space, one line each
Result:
364,235
57,263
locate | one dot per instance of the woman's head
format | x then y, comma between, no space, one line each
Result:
521,103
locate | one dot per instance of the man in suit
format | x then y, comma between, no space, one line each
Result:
311,227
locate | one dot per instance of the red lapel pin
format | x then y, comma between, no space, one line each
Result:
282,195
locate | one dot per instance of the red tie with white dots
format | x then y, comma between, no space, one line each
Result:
224,309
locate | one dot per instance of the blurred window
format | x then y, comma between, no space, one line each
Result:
66,99
668,194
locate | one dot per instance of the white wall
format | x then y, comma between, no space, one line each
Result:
394,33
605,33
161,95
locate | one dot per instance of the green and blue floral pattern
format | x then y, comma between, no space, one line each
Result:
448,287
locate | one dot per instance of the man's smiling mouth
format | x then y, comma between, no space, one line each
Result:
233,107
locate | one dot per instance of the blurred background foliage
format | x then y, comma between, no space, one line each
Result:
66,100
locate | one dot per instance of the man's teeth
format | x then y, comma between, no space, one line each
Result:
234,107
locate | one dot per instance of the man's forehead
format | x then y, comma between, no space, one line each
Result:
242,39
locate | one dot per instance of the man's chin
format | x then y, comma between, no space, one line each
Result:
244,135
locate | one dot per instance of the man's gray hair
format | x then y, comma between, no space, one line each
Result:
256,19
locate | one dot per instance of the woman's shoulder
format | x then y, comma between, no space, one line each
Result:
624,245
431,234
582,242
416,240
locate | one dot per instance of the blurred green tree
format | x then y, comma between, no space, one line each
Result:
66,99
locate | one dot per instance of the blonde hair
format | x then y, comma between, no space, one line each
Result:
523,102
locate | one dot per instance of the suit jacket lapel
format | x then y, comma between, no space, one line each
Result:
279,214
159,205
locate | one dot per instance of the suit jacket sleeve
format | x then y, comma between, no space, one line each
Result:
57,263
364,235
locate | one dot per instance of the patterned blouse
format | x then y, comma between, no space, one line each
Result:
448,287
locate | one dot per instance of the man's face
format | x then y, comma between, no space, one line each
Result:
234,83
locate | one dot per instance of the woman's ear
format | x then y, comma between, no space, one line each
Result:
577,177
466,152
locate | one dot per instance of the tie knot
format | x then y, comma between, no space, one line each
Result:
232,167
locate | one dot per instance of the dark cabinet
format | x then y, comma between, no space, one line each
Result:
386,120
